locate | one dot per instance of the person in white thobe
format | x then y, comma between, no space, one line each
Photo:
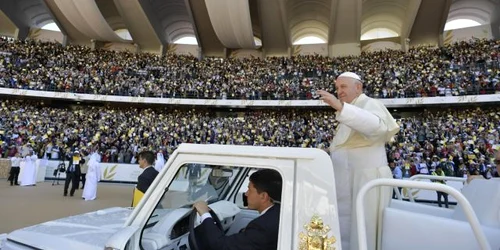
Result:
93,177
160,161
358,155
28,169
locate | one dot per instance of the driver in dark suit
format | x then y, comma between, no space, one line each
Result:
263,195
146,160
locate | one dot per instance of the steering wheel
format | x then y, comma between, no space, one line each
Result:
193,242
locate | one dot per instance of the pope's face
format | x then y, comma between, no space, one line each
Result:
347,89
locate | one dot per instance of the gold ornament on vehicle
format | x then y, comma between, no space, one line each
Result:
316,236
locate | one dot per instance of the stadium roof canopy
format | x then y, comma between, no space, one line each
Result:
216,25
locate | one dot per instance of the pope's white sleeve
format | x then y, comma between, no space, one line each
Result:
361,120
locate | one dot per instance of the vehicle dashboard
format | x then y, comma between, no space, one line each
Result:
180,228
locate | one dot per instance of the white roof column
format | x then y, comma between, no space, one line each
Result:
138,24
429,22
345,28
232,23
275,31
86,17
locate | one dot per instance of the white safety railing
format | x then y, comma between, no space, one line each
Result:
398,193
432,177
436,177
462,201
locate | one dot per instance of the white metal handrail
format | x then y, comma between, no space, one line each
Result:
462,201
432,177
398,194
436,177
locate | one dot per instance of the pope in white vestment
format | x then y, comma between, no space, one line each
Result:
28,170
160,161
358,155
93,177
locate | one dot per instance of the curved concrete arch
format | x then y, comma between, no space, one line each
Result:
304,17
308,28
305,10
41,20
45,22
304,6
382,21
470,15
309,17
173,16
477,10
309,24
180,29
372,5
116,23
29,6
173,25
26,14
477,14
396,10
182,36
383,14
311,32
376,25
36,12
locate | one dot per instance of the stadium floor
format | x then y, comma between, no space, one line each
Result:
25,206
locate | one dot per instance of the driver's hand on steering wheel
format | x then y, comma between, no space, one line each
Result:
201,207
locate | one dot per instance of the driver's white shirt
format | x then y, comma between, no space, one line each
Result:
265,210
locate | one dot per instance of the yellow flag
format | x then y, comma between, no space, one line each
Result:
137,197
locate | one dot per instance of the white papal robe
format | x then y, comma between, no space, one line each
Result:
358,155
160,162
28,173
92,178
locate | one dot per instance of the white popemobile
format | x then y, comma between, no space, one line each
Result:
164,219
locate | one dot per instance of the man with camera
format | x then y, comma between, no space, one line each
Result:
73,172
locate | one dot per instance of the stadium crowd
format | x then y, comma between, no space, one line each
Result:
459,139
463,68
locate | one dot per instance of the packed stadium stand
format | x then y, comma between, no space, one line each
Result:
108,48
